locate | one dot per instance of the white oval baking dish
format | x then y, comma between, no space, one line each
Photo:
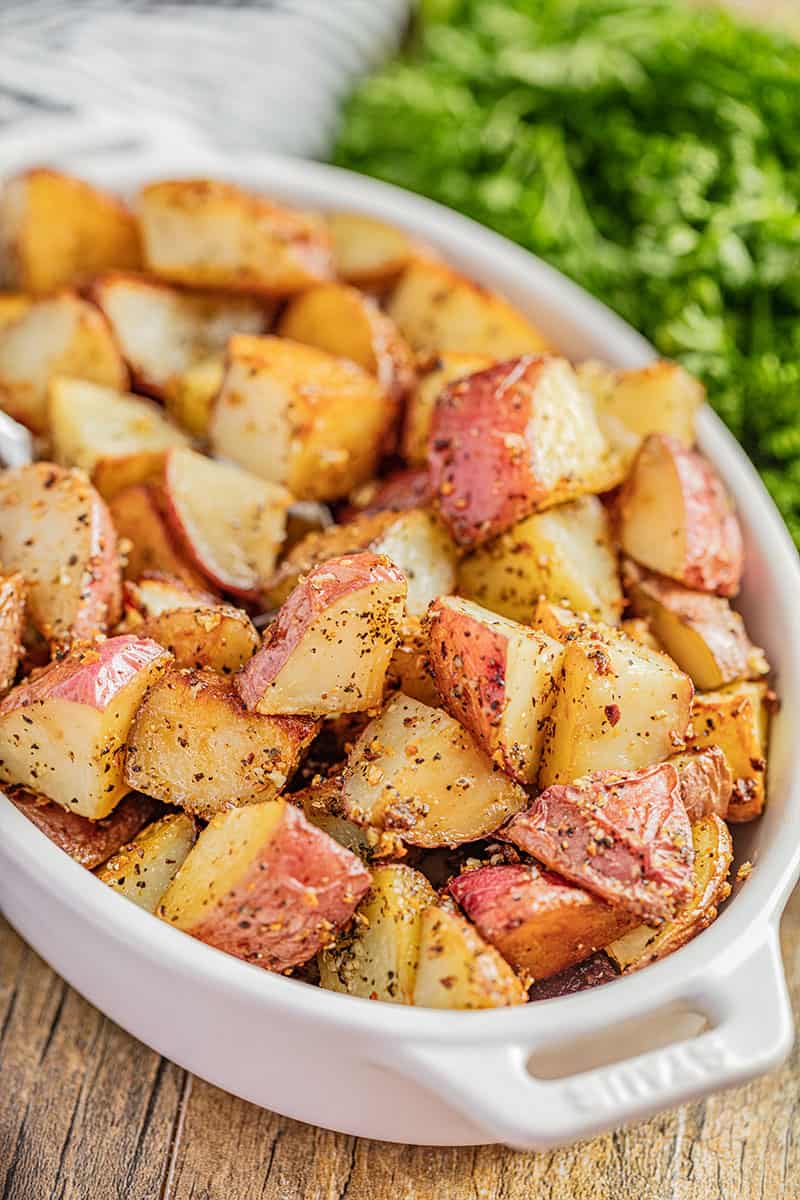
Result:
428,1077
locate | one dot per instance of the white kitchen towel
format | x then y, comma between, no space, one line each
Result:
252,74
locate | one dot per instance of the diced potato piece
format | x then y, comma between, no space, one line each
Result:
498,678
408,487
143,870
163,331
660,398
322,805
320,546
298,416
137,515
90,843
345,322
736,719
57,533
329,647
438,309
366,250
193,744
675,517
620,706
623,835
228,523
377,958
713,853
700,631
56,231
540,923
12,626
155,594
565,554
409,670
218,636
63,731
263,884
458,969
505,442
416,772
210,234
58,335
189,397
116,438
13,305
706,782
440,370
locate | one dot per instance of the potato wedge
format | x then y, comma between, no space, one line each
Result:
189,397
365,250
328,649
300,417
211,635
566,554
706,782
194,745
263,884
434,375
377,958
321,802
620,706
416,772
676,518
540,923
660,398
458,969
149,546
498,678
505,442
57,231
155,594
736,720
143,870
118,439
162,331
700,631
228,523
63,731
57,533
713,853
58,335
12,627
90,843
210,234
437,309
622,835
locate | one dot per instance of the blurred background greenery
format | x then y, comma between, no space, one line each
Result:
650,150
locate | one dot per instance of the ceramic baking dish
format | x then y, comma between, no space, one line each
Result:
713,1014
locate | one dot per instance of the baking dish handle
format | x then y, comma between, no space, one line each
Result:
751,1031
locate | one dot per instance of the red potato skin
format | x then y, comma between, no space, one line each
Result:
399,491
322,587
706,783
12,626
472,682
301,889
481,465
91,674
624,836
89,843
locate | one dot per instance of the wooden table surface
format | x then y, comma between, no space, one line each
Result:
89,1113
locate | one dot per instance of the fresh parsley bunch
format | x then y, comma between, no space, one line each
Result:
649,150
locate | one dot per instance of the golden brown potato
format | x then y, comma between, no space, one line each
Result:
321,802
377,957
154,594
58,335
434,374
560,622
12,626
90,843
263,884
458,969
118,439
437,309
416,772
660,398
298,416
640,631
539,922
193,744
138,517
143,870
566,554
189,397
12,306
737,720
620,706
57,231
713,852
162,331
210,635
365,250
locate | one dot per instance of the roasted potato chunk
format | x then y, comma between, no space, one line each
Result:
416,772
143,870
13,305
189,397
90,843
210,635
434,375
377,957
706,782
321,802
367,251
408,487
458,969
736,720
660,398
12,626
